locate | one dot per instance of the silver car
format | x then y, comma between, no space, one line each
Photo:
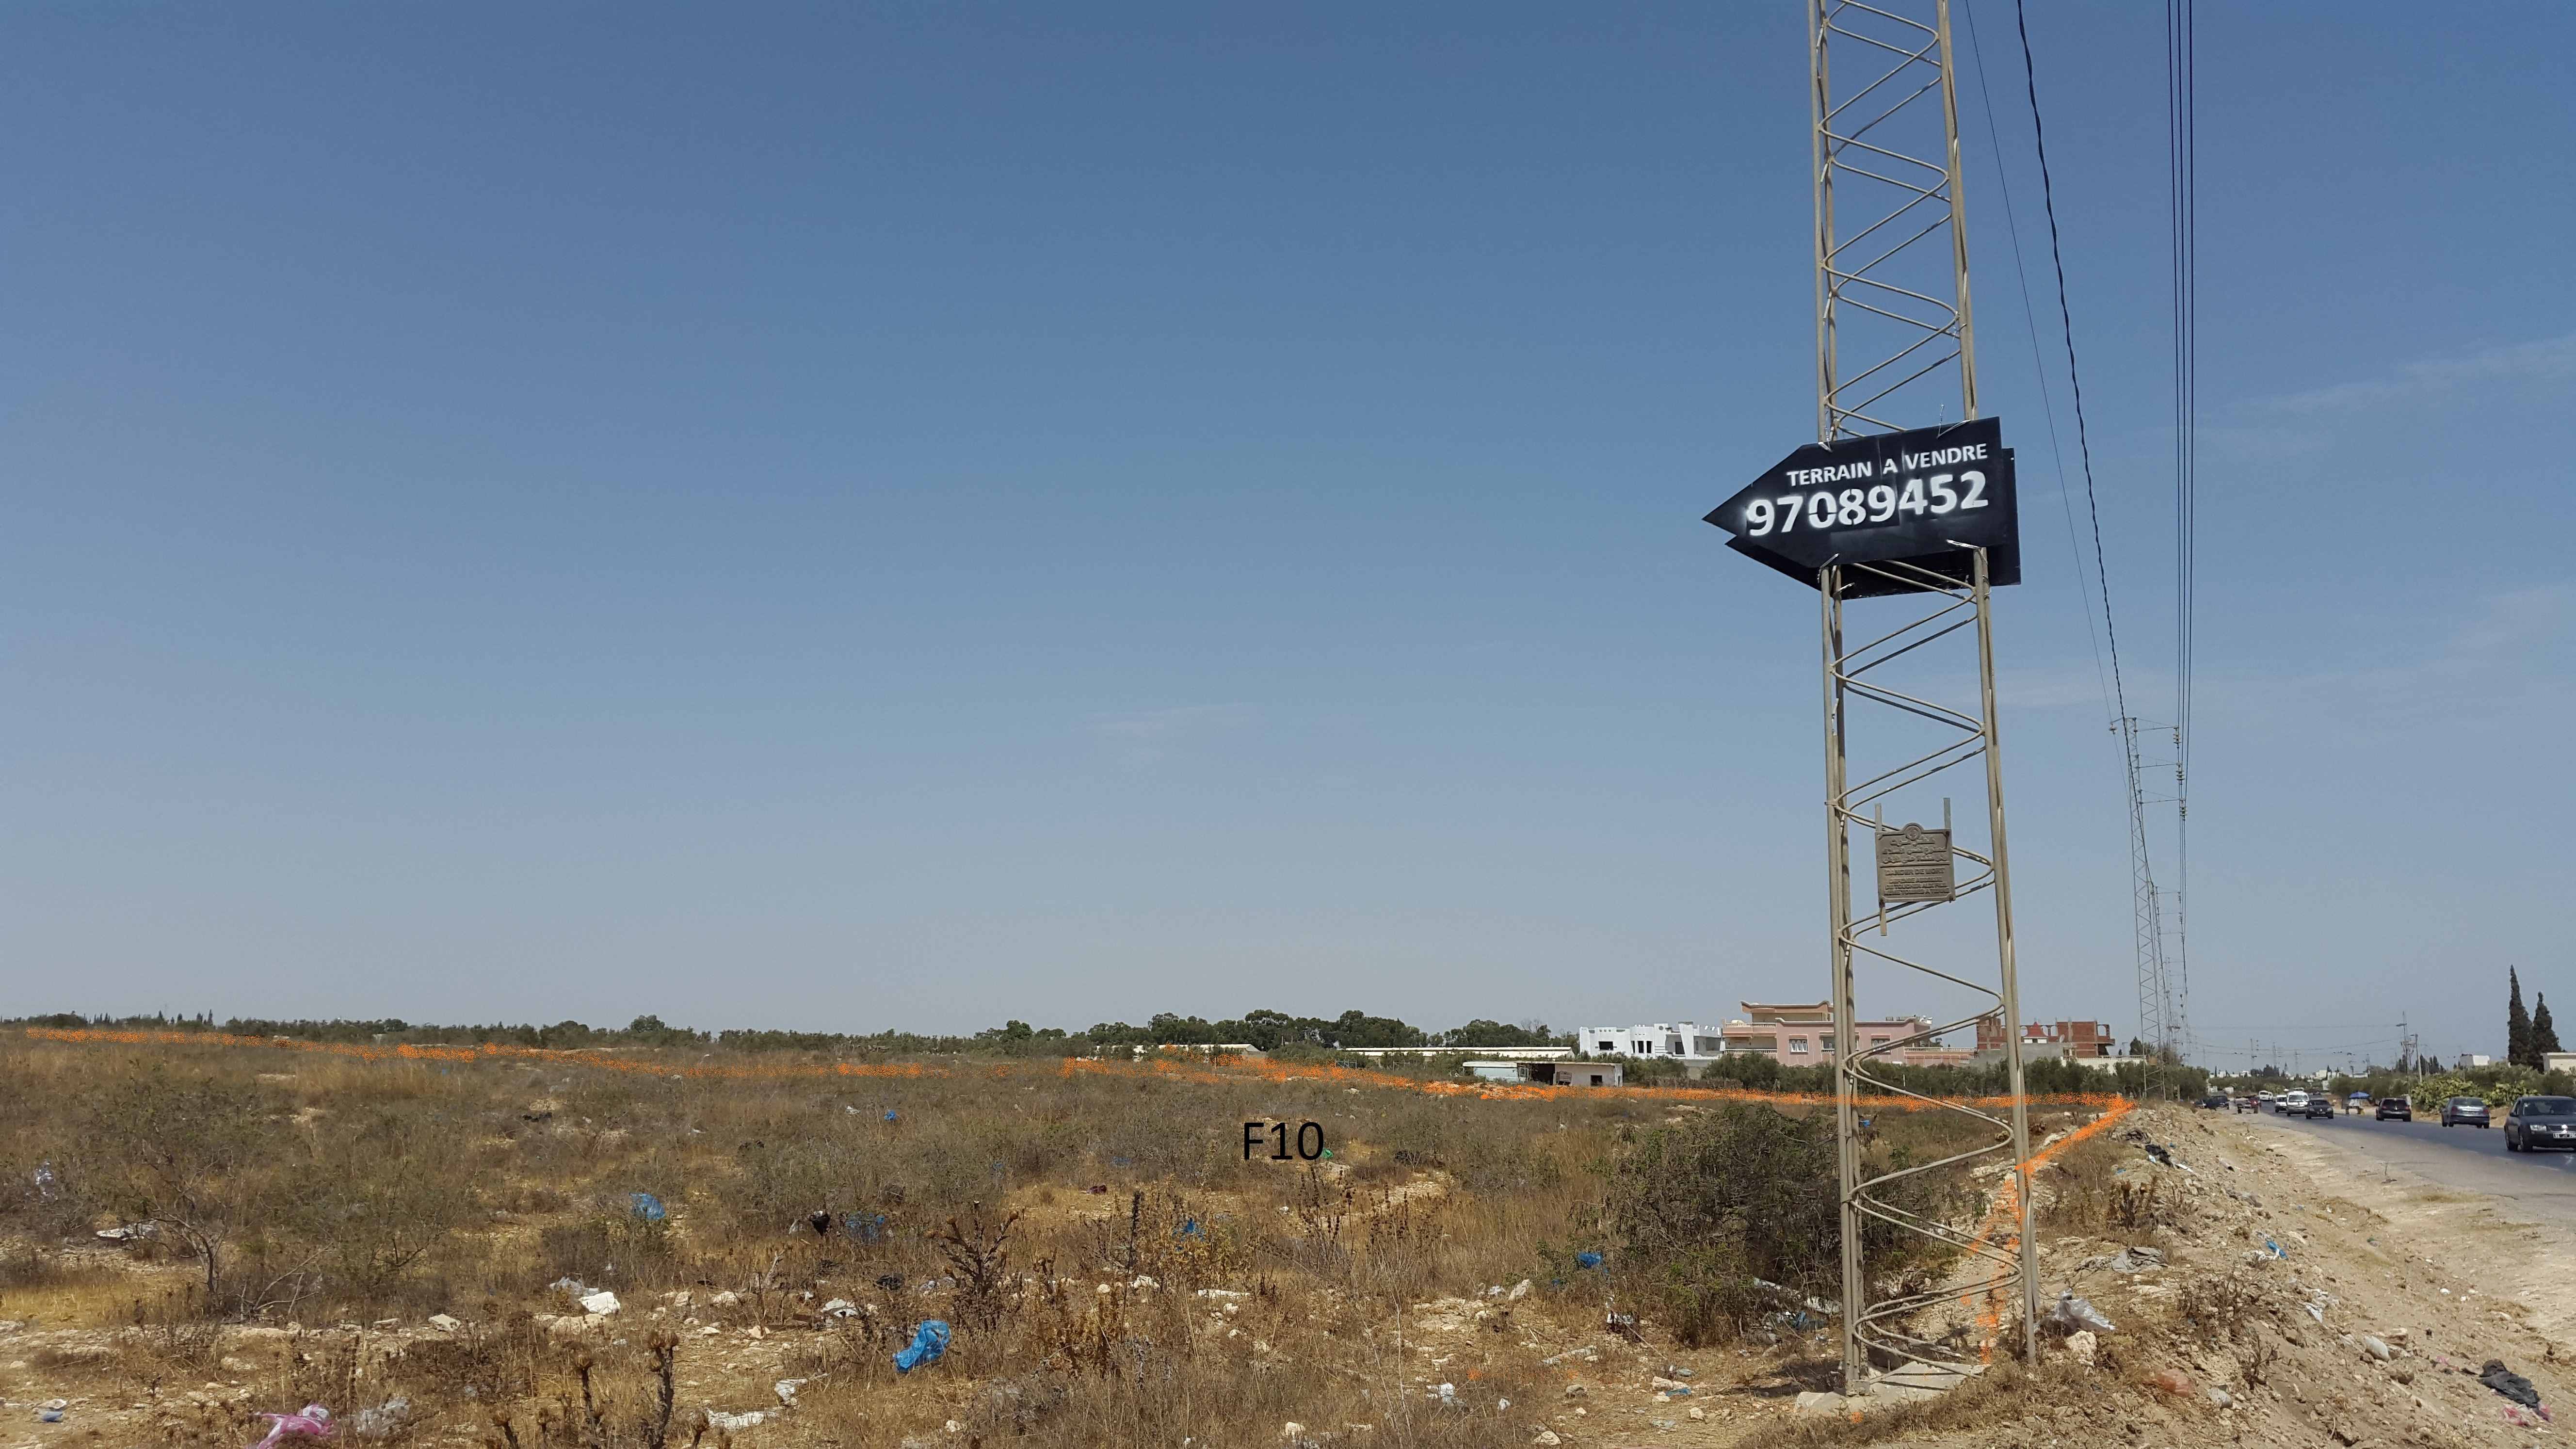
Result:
2464,1112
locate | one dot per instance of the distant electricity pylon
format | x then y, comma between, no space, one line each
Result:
2162,1024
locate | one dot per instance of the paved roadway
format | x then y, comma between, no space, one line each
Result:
2471,1158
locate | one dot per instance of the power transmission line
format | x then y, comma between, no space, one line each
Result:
2158,1016
2182,102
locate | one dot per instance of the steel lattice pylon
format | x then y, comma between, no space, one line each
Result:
1894,336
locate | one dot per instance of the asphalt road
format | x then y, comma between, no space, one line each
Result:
2470,1158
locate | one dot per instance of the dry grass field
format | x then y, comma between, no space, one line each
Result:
313,1228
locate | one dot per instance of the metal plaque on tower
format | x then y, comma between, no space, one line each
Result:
1915,864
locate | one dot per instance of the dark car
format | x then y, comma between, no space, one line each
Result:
2397,1107
2215,1101
2248,1104
2319,1105
2536,1123
2464,1112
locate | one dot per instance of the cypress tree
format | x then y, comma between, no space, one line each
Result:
2544,1032
2517,1023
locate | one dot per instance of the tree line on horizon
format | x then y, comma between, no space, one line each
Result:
1265,1030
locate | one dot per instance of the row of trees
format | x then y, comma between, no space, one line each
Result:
1265,1029
1271,1030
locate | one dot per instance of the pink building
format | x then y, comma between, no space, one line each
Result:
1801,1034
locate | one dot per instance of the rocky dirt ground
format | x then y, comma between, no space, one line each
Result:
2264,1289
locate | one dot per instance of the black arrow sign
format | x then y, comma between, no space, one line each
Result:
1926,497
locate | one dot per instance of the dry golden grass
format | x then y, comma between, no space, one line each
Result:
1151,1285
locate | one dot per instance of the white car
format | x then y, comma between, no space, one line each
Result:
2290,1103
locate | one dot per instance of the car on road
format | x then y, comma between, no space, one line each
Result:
2214,1101
2396,1107
2290,1104
2319,1105
2464,1112
2248,1104
2264,1097
2356,1102
2536,1123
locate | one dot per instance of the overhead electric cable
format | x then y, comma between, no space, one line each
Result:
2182,103
2047,395
2074,375
2157,1015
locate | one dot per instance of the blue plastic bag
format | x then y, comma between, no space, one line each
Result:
1587,1260
890,1114
929,1341
1189,1229
865,1227
646,1207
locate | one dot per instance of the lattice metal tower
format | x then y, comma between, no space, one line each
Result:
2159,1021
1896,349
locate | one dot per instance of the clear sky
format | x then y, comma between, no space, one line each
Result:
908,515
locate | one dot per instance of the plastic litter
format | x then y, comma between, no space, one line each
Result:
732,1422
1449,1396
2375,1348
47,1184
314,1422
600,1304
864,1227
381,1421
1189,1229
646,1207
890,1114
2508,1383
2275,1247
2160,1154
1587,1260
1812,1305
929,1341
49,1416
2073,1313
2174,1382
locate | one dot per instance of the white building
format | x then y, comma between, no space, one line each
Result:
1681,1041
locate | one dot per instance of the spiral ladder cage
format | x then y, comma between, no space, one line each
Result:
1894,336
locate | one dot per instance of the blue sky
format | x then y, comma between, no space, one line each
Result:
919,515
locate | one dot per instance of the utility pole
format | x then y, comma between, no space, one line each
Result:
1904,512
1893,321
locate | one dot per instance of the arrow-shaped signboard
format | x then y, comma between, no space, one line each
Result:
1927,497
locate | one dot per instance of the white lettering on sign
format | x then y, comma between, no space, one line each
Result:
1808,477
1943,457
1866,507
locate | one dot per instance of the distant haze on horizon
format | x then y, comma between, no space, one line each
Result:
913,517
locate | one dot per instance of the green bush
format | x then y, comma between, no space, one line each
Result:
1704,1214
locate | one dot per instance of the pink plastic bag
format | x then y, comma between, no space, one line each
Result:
313,1423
